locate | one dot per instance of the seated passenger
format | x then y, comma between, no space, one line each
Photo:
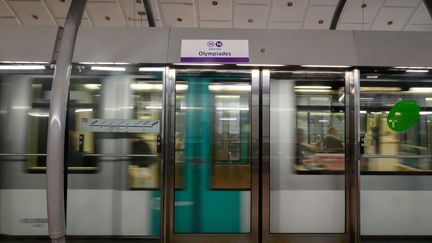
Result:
331,142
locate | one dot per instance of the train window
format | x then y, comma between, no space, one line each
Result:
24,101
386,150
307,152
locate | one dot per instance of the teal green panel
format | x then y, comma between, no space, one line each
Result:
199,209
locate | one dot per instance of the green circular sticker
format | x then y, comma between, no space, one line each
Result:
403,115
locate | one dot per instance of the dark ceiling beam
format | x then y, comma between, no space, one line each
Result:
149,13
428,4
337,14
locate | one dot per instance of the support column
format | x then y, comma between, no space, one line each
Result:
57,122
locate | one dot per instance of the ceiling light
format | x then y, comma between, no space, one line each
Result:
406,67
313,90
36,114
416,71
146,86
425,112
102,68
22,67
380,89
92,86
218,87
181,87
153,107
325,66
420,90
232,108
151,69
228,96
312,87
363,112
228,119
84,110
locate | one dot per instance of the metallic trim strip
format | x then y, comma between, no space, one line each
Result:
352,156
265,153
167,223
255,231
57,122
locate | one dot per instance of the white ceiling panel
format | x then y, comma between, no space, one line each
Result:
215,24
354,13
392,18
250,16
31,12
251,1
402,3
105,14
324,2
8,21
419,27
220,11
178,15
84,21
319,17
288,11
4,11
353,26
58,8
422,16
285,25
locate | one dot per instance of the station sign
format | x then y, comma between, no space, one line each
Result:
120,125
224,51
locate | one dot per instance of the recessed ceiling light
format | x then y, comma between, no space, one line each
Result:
250,21
35,17
179,19
321,21
390,22
289,4
107,18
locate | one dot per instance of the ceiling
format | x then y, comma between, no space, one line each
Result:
391,15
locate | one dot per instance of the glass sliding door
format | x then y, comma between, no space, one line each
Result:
396,129
303,156
114,151
215,185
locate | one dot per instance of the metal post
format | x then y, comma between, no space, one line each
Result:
168,166
57,122
352,156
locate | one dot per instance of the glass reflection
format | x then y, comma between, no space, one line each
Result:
384,149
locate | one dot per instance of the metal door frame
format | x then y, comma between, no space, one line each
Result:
167,223
352,141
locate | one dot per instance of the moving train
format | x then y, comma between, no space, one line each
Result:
272,134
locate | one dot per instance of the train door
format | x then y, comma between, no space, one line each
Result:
114,151
214,158
305,182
